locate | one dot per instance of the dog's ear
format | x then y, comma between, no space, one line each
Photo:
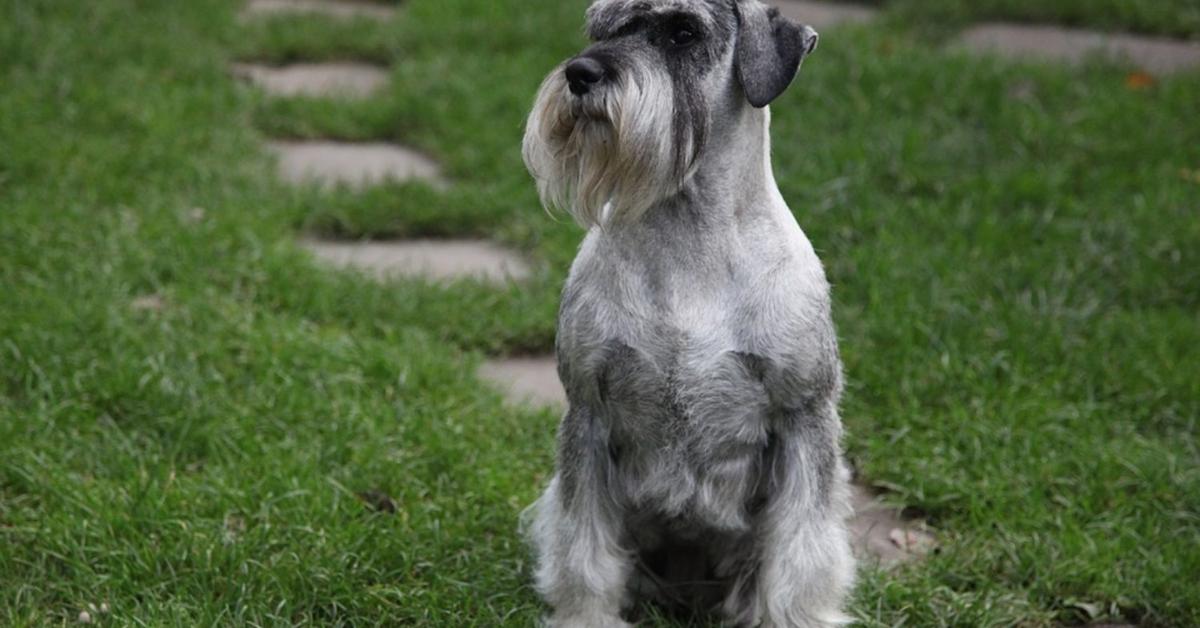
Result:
770,48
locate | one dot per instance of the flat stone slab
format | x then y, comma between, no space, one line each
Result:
439,260
343,80
823,14
532,380
336,8
1157,55
350,163
879,533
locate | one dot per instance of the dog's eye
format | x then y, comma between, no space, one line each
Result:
682,36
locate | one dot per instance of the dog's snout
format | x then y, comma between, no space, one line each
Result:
582,73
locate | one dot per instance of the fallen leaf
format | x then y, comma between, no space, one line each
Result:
1092,610
1139,80
378,501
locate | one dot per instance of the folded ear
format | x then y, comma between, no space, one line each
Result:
770,48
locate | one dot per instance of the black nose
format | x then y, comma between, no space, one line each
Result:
582,73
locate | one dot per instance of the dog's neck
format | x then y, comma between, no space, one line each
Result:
701,232
733,179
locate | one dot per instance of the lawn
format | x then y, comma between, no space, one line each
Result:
1173,18
191,410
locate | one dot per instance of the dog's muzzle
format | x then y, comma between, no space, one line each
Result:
583,73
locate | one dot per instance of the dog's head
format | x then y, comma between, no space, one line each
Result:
623,124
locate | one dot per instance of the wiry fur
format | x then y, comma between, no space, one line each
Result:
699,463
602,157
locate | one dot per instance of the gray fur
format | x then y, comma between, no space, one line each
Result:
769,52
699,464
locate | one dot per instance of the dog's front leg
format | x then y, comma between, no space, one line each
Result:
806,568
577,528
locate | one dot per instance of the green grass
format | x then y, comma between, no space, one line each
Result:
1015,251
1172,18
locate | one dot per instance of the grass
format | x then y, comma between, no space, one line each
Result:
1015,250
1172,18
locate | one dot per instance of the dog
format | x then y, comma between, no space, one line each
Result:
699,463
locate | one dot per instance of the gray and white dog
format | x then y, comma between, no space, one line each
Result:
699,463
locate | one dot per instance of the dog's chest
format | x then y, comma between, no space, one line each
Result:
674,360
687,426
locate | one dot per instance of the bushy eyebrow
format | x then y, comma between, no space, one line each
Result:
607,19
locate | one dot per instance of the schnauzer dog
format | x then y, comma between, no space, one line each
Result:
699,463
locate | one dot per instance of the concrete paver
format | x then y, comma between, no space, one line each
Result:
821,15
354,164
431,259
344,80
1160,56
336,8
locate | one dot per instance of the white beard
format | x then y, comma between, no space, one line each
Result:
607,157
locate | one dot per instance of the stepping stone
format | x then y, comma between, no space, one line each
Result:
336,8
823,14
354,164
1161,56
148,303
440,260
879,534
348,80
532,380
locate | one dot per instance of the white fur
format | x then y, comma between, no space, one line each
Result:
582,569
606,158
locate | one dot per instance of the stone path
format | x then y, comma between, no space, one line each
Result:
879,533
360,164
532,380
357,164
1161,56
1153,54
337,8
432,259
821,15
344,80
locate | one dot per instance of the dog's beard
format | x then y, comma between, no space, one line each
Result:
607,157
